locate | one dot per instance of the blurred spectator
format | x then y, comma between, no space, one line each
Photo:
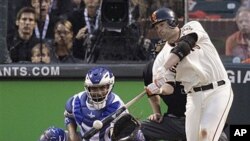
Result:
22,40
46,22
62,47
91,19
86,26
85,19
60,8
146,7
119,39
77,5
106,41
13,7
245,3
238,43
40,53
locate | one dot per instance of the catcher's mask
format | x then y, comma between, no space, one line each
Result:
99,82
164,14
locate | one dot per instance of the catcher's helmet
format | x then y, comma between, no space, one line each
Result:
99,78
164,14
53,134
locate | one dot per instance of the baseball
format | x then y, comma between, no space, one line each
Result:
97,124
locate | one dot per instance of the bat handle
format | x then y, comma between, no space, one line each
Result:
91,133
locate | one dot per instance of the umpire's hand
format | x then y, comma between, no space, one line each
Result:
156,117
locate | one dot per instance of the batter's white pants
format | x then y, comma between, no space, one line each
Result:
206,113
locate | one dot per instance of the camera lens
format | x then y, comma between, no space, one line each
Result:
115,12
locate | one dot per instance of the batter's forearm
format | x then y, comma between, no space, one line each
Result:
172,60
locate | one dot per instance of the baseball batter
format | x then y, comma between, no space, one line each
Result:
200,70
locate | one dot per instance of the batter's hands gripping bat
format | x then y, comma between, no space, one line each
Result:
113,116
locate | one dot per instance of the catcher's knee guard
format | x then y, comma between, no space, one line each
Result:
137,136
127,128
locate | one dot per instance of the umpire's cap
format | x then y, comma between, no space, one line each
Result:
164,14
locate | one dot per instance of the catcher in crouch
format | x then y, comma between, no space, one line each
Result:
95,103
126,127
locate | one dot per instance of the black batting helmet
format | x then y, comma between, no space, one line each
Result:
164,14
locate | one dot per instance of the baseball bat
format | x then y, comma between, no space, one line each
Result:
113,116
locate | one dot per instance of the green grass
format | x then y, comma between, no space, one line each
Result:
29,107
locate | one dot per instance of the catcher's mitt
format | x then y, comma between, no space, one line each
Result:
126,127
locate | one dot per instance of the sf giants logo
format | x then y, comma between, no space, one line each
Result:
187,28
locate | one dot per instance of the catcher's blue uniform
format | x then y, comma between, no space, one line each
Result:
79,111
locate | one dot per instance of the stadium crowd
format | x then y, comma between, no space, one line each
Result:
84,31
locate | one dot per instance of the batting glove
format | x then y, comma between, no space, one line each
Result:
153,89
160,82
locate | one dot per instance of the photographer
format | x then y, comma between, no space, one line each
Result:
120,33
109,33
85,21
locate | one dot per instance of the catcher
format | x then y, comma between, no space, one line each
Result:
125,128
96,102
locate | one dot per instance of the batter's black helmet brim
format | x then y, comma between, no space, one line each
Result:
159,21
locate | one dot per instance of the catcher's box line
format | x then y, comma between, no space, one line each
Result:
114,115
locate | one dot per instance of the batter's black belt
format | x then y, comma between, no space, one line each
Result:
209,86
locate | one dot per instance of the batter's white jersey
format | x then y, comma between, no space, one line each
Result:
160,60
200,67
206,110
203,65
